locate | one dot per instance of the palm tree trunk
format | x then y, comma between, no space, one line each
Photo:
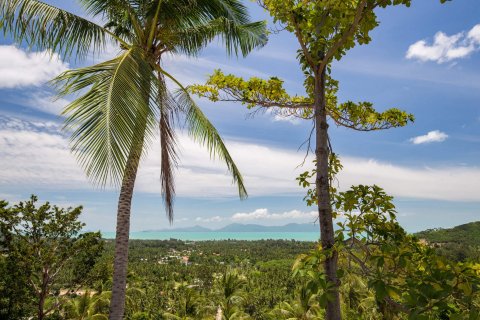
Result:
327,234
120,264
120,261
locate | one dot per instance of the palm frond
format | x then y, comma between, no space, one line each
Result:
168,148
236,38
121,16
108,120
202,131
46,27
238,30
187,26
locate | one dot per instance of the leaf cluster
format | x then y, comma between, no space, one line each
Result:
270,94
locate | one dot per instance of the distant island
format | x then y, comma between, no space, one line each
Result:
238,227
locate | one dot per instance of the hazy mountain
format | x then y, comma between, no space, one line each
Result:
238,227
291,227
186,229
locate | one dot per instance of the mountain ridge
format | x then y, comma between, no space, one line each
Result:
238,227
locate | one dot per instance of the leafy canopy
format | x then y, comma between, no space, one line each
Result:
44,243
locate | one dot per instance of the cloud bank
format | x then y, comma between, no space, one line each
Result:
21,69
36,155
446,48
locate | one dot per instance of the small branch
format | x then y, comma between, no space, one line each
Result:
364,267
306,53
309,148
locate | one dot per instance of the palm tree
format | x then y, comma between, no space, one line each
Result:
87,306
188,304
123,101
305,306
230,288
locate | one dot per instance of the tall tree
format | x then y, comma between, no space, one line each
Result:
325,30
123,100
42,241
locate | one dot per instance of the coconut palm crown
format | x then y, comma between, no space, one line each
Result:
122,103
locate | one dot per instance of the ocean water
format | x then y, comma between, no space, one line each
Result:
202,236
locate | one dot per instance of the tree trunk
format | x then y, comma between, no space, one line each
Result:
42,295
41,302
325,218
117,303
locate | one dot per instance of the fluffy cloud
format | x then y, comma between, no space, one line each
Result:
446,48
432,136
264,214
35,155
20,69
474,34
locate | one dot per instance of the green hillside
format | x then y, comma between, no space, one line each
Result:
459,243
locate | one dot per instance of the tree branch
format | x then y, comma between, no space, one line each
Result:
331,52
306,53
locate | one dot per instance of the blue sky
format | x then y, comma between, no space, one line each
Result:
432,167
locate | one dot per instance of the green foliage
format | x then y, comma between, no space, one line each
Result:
42,243
397,272
14,285
392,271
328,28
116,89
305,179
254,91
45,27
253,279
243,278
88,306
271,94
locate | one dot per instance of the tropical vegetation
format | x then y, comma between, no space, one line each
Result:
122,103
364,267
385,273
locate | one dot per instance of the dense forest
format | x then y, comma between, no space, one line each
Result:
49,265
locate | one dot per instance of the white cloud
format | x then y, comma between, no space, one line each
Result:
451,183
474,34
432,136
264,214
446,48
36,155
210,219
21,69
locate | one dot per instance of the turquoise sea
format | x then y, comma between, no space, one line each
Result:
202,236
